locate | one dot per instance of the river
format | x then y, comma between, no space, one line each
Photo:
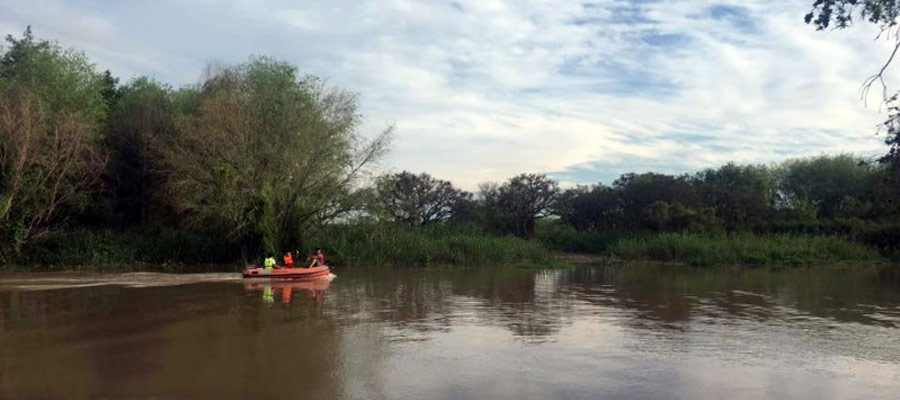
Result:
617,332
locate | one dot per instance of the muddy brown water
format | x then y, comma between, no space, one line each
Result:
624,332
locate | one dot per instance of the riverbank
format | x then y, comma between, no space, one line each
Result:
347,244
743,249
377,245
777,250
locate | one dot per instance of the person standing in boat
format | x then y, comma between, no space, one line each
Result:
288,260
317,258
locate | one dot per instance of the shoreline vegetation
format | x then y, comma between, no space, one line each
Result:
366,245
260,158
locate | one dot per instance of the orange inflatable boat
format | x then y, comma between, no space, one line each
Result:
293,273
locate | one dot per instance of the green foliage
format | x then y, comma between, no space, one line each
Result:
741,195
839,13
142,111
63,80
742,249
559,236
515,206
883,236
153,249
51,107
676,217
638,193
590,208
416,199
367,244
834,185
266,156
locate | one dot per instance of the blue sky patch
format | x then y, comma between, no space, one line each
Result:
738,17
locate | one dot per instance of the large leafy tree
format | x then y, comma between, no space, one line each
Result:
596,207
638,192
417,199
141,110
741,195
831,184
266,156
51,112
516,205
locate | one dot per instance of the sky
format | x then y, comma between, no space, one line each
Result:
483,90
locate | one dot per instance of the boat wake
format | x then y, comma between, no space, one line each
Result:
131,279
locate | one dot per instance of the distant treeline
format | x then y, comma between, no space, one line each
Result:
826,195
259,158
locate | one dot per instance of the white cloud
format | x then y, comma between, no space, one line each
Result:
483,90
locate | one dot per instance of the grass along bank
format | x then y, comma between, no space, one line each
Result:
360,244
164,250
373,244
734,249
390,244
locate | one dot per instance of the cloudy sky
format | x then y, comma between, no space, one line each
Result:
481,90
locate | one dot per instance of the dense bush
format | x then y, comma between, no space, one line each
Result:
561,237
154,249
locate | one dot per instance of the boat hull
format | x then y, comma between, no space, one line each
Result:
292,273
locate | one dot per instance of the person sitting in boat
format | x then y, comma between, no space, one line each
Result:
288,260
269,263
317,258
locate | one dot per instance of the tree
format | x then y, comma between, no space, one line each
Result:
515,206
266,155
63,80
638,191
141,110
595,208
884,14
741,195
884,193
831,184
417,199
51,109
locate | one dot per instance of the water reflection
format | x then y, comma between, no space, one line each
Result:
676,295
628,331
286,289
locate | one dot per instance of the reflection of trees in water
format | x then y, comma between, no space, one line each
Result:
530,303
525,302
653,299
418,300
666,296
